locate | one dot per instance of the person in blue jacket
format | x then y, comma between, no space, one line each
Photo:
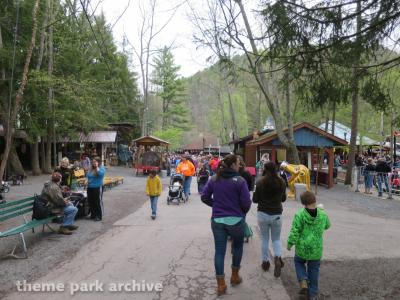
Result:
95,178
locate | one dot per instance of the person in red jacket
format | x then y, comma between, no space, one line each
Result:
214,164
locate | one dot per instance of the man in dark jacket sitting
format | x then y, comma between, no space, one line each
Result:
59,205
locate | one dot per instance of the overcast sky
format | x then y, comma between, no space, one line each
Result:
178,32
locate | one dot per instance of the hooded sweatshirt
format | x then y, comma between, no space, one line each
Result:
228,195
153,186
307,233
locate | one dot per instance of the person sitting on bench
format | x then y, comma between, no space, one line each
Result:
52,192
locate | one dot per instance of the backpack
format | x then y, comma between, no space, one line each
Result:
41,210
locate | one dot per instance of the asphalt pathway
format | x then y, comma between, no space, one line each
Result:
176,251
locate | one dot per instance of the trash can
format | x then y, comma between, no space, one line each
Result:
298,189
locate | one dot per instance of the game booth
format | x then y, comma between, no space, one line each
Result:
149,154
316,152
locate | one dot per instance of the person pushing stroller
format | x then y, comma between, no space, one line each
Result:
187,169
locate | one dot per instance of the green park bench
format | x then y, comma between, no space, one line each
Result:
16,209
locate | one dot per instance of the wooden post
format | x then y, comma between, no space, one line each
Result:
318,169
330,167
273,155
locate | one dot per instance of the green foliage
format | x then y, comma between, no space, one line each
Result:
170,89
327,86
373,93
91,82
171,135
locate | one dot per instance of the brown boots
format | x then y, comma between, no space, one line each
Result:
72,227
303,289
221,289
278,266
64,230
265,265
235,278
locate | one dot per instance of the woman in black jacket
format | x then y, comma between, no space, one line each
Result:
270,193
245,174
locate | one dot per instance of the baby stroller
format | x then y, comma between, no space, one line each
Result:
175,189
79,199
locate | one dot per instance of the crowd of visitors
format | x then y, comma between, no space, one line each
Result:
375,171
226,186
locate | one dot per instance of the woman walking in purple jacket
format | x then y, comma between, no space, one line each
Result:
228,195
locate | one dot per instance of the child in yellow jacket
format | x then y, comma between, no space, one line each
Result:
153,190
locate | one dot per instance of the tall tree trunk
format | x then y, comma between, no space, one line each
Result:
293,155
221,106
333,118
51,68
9,128
3,71
259,74
50,119
354,102
259,121
47,168
164,115
15,163
35,161
326,117
233,117
42,155
35,158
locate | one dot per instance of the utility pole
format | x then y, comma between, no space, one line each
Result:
382,135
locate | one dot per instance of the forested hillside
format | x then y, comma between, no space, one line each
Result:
209,104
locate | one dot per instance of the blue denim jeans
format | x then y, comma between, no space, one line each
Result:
270,225
383,178
368,179
70,212
311,273
221,232
186,185
153,204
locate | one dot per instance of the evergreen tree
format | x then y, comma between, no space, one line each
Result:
170,88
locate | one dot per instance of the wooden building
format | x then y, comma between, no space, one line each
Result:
315,146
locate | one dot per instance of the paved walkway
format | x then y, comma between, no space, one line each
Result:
175,250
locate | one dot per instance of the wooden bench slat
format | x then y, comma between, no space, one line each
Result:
16,208
16,202
19,213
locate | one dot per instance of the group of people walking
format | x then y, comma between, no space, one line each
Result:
228,194
378,169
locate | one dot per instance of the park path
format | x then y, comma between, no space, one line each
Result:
177,250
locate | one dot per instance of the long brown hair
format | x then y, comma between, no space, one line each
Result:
226,163
270,177
98,159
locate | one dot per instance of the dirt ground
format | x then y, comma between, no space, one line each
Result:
368,270
48,250
352,279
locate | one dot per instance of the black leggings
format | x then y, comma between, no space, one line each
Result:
94,195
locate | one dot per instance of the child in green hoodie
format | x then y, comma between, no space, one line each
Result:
306,234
